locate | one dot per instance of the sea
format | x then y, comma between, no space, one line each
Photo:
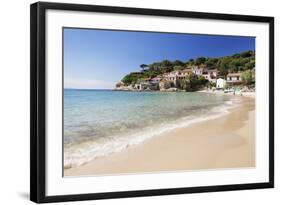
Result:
101,122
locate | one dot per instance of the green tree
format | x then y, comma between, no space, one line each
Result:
246,54
184,85
223,65
128,79
143,66
190,62
211,84
178,63
202,81
178,67
250,65
200,60
193,81
247,77
242,61
155,67
211,62
168,84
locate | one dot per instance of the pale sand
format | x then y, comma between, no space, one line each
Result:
225,142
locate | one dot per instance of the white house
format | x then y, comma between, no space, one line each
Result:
233,78
221,83
198,70
187,71
210,75
155,80
177,75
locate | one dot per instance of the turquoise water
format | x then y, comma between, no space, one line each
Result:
100,122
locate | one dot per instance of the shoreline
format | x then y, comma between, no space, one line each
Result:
244,94
225,142
220,92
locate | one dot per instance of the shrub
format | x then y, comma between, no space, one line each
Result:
184,85
168,84
247,77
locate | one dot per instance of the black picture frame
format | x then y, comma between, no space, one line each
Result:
38,101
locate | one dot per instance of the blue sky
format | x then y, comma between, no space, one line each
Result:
98,59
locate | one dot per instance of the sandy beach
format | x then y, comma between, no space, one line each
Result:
225,142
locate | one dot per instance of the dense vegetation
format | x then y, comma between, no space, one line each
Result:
193,83
242,61
248,77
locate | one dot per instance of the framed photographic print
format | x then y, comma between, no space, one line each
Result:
129,102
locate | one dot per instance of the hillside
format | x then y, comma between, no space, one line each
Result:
227,64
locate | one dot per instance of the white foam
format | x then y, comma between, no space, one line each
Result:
82,153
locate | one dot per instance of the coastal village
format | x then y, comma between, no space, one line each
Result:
194,77
158,82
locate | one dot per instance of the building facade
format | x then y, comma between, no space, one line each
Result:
220,84
233,78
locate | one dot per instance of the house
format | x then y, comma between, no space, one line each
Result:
154,80
187,72
213,75
154,83
220,84
181,75
143,86
172,76
210,75
233,78
149,84
198,70
178,75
